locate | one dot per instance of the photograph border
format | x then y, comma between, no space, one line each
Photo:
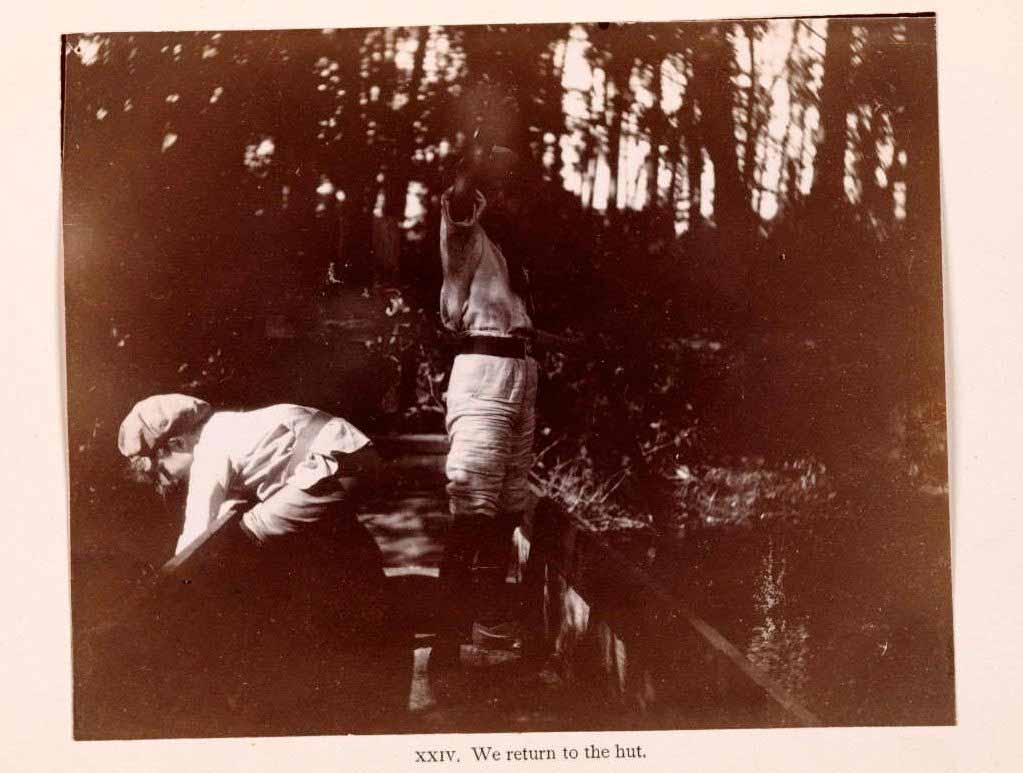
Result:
981,319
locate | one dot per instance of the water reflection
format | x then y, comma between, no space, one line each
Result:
847,608
780,641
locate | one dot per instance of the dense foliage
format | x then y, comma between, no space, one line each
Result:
740,220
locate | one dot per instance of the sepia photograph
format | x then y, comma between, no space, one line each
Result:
506,378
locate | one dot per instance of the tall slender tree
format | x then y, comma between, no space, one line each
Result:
836,102
713,90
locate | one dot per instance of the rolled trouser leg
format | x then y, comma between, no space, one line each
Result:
516,494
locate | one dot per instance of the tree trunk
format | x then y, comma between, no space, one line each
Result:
752,125
657,123
401,161
835,101
694,163
674,159
694,174
876,199
713,91
614,149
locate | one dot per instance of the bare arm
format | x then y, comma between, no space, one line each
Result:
207,488
457,236
461,244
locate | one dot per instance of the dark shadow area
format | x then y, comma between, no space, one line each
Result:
245,643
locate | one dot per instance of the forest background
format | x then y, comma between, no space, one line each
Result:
740,221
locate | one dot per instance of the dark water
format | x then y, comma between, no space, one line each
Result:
847,608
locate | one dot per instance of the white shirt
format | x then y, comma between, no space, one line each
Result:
476,297
242,458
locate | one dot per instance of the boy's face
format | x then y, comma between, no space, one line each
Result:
173,462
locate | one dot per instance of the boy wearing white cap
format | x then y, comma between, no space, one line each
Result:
271,605
287,466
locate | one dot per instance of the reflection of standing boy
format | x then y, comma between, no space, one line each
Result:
490,401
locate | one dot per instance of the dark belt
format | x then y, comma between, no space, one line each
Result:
495,346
